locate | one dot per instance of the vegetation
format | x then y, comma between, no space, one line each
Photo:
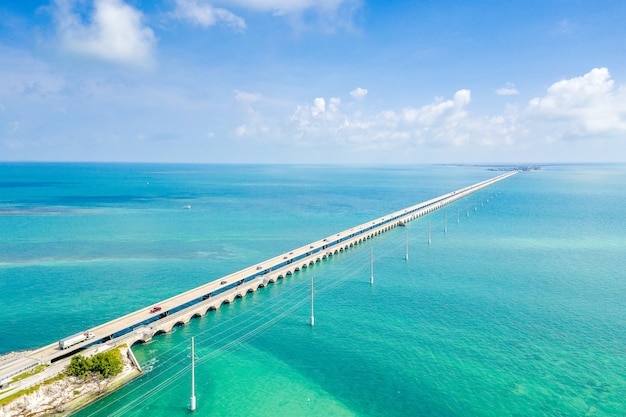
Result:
32,372
7,400
99,368
103,365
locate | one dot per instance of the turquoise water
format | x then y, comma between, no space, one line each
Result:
517,310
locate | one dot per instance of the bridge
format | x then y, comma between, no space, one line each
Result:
142,325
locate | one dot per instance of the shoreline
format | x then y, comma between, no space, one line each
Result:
68,395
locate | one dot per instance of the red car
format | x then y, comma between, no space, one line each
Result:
155,309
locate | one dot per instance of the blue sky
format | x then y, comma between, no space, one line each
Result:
305,81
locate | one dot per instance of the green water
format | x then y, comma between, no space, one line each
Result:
518,310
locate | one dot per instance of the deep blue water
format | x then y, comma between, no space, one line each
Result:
517,310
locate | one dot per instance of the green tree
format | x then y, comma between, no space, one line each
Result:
79,366
107,364
103,365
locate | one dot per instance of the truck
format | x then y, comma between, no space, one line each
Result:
74,339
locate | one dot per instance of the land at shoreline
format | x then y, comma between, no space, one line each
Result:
69,394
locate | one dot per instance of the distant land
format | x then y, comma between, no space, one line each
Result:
518,168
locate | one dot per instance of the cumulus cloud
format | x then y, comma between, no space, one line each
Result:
358,93
206,15
113,32
451,109
439,123
508,90
320,110
319,106
588,105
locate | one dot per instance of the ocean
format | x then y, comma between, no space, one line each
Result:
516,307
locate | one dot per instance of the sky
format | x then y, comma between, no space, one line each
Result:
313,81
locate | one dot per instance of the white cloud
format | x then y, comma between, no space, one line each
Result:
114,32
429,114
508,90
319,106
441,123
358,93
282,7
583,106
320,110
324,15
248,99
206,15
586,107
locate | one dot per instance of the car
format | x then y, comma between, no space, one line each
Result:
155,309
223,282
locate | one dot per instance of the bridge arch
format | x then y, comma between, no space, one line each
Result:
138,342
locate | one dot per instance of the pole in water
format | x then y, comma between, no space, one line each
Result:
429,232
406,255
192,400
445,222
458,215
312,304
371,266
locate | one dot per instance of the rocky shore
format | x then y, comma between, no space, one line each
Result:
69,394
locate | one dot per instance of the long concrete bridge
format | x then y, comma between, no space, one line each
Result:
141,325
